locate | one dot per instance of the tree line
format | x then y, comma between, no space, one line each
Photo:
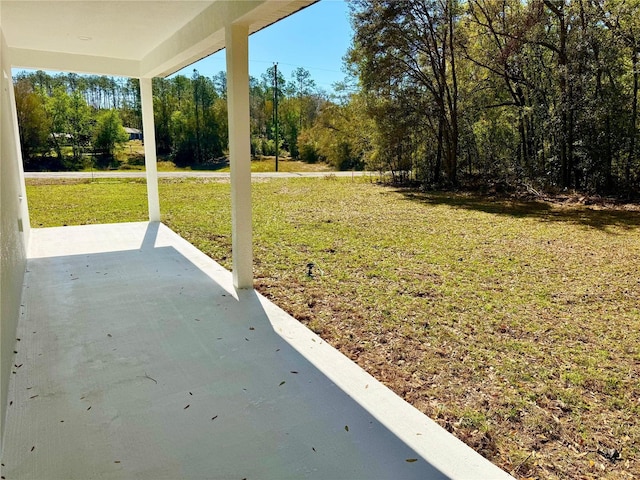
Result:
191,114
68,120
64,118
543,92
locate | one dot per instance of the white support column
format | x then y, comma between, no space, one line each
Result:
150,161
237,51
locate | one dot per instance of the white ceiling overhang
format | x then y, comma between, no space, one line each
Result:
131,38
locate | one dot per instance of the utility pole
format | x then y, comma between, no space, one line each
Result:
275,103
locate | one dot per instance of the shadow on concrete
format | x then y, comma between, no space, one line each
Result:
143,366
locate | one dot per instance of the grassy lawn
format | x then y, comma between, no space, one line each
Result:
131,158
264,164
268,164
514,325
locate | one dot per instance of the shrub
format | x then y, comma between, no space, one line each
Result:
309,153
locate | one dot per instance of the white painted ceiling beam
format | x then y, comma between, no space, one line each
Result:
199,38
136,38
69,62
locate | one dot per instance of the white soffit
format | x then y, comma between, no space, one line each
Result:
134,38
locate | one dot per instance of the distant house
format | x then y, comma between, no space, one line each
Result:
134,133
61,136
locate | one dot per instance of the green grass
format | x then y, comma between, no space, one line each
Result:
514,325
268,164
72,202
257,165
131,158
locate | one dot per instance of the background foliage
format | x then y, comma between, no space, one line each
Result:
541,94
542,91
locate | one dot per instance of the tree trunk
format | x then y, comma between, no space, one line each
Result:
437,172
524,163
565,150
453,98
635,65
56,146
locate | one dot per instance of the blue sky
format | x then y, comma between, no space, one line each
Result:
315,38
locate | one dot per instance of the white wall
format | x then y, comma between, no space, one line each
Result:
14,228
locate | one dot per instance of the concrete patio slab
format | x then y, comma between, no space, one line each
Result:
136,359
